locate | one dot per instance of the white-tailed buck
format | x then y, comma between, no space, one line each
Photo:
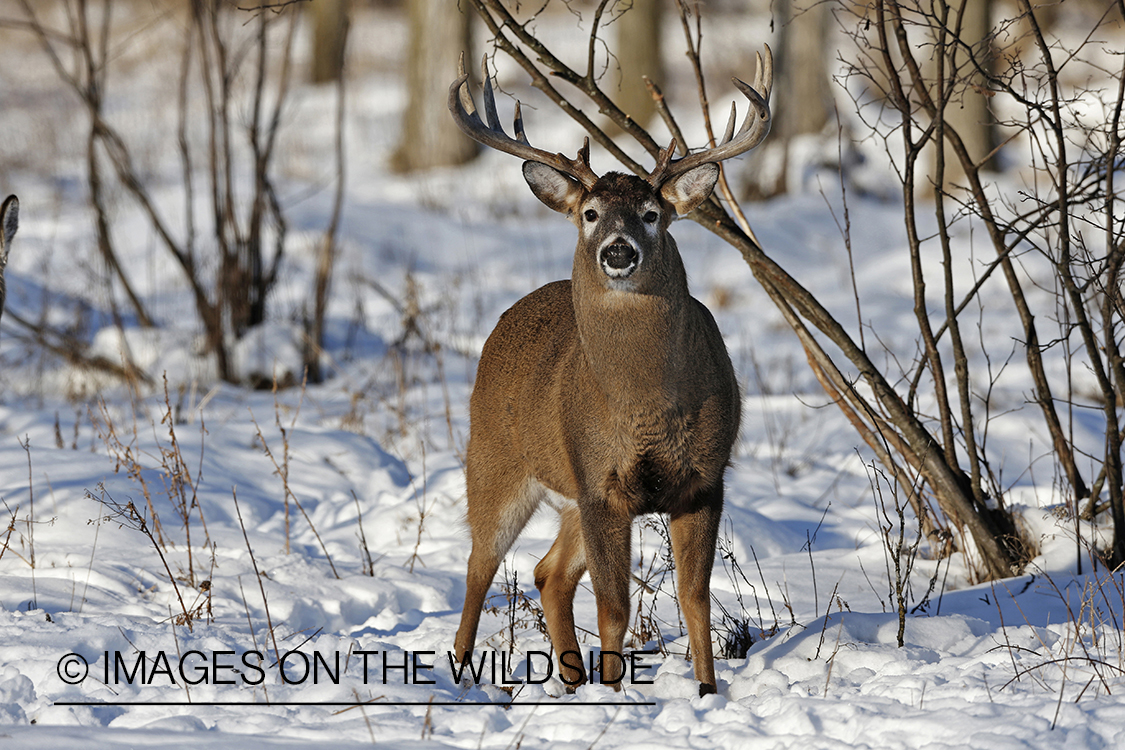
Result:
9,222
608,396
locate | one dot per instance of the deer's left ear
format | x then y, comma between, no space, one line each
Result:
688,190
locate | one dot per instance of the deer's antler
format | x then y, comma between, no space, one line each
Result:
464,112
754,128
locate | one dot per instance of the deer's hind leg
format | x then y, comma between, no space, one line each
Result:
501,500
557,576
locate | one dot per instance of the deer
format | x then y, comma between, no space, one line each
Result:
606,396
9,223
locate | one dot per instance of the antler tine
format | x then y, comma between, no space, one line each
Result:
754,128
763,72
464,111
464,96
731,122
583,158
658,173
517,125
760,102
489,98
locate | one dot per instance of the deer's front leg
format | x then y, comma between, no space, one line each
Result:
607,531
693,546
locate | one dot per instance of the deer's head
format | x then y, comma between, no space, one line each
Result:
622,220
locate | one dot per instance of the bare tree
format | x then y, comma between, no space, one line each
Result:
1064,199
326,253
439,33
87,34
234,79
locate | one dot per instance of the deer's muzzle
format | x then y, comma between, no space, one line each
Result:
619,259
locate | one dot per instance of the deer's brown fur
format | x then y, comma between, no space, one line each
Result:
623,400
609,395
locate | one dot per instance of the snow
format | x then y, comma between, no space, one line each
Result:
327,520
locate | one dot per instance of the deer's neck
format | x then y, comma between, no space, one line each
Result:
638,346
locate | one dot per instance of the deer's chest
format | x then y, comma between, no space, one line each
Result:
663,464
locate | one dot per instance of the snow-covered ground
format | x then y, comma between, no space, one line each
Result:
322,527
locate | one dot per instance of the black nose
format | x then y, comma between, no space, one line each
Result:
619,255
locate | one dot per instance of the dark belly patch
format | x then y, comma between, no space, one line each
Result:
654,487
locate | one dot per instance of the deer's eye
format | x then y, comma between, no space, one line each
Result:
591,214
650,217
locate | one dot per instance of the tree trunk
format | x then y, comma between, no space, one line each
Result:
967,112
803,70
439,33
330,31
802,64
639,54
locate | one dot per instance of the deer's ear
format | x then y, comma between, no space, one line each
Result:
688,190
557,191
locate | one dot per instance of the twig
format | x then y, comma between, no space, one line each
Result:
283,472
257,574
129,516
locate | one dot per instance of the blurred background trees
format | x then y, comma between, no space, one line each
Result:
956,101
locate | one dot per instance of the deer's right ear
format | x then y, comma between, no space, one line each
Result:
556,190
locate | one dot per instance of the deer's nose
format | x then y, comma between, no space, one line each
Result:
619,256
